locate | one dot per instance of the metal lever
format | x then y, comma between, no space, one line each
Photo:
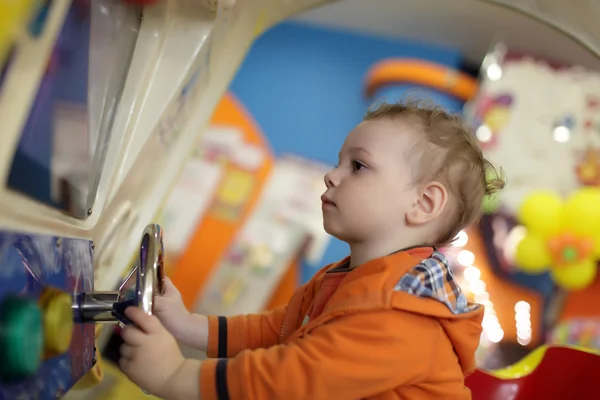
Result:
143,283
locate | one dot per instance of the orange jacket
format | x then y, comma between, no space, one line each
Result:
397,327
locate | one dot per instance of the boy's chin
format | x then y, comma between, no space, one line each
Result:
336,232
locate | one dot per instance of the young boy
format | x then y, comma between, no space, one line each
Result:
388,322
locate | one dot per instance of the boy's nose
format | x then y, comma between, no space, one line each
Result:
331,180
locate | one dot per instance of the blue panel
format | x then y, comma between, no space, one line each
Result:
304,85
395,93
28,264
65,83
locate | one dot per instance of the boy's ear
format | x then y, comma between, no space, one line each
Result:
430,204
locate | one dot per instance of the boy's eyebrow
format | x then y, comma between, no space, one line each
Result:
355,149
359,149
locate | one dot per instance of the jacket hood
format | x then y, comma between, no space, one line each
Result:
420,281
465,333
429,288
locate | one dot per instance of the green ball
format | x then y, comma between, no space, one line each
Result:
21,338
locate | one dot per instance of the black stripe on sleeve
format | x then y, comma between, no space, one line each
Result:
222,346
221,380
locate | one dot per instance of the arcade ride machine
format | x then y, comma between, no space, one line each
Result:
99,104
100,101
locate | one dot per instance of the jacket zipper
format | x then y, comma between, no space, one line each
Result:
282,325
281,333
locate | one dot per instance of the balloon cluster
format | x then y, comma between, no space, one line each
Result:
562,236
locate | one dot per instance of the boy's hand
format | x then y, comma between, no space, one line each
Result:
169,308
191,329
150,356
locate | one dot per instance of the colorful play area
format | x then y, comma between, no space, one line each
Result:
148,138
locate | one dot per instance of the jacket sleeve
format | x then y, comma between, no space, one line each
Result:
354,356
227,336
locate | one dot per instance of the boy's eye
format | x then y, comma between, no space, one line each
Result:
357,166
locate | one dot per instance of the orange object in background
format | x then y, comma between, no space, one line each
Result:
583,303
421,73
504,294
215,233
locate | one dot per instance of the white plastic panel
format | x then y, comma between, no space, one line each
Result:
185,54
196,59
114,34
579,22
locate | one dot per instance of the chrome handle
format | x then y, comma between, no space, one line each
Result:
143,283
151,267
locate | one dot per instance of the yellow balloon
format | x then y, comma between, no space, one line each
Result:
540,212
581,212
575,276
597,247
532,256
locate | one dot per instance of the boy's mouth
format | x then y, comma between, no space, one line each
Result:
326,202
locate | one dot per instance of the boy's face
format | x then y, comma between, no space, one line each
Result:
370,192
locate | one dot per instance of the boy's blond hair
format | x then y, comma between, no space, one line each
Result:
449,153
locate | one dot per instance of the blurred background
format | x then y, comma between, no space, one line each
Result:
242,221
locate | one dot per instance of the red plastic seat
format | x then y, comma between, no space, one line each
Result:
564,373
